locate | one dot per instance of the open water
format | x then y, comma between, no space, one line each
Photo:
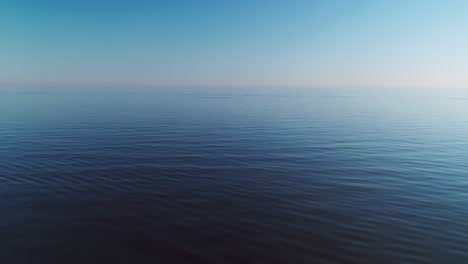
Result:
233,175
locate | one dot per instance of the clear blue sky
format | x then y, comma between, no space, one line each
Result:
235,42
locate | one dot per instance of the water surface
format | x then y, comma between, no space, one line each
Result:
233,175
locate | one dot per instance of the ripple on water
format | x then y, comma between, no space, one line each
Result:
195,178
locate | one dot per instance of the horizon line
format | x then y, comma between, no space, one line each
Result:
144,85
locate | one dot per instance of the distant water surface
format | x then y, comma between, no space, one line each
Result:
233,175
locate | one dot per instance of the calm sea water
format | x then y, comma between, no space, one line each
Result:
233,175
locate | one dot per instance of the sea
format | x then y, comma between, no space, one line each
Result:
233,175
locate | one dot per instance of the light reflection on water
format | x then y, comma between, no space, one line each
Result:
258,175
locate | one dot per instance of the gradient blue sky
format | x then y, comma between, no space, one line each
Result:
422,43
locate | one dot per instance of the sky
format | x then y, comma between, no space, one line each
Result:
391,43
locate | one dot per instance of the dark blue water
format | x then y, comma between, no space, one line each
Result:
233,175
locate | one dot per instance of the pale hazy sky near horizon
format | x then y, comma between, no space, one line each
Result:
403,43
